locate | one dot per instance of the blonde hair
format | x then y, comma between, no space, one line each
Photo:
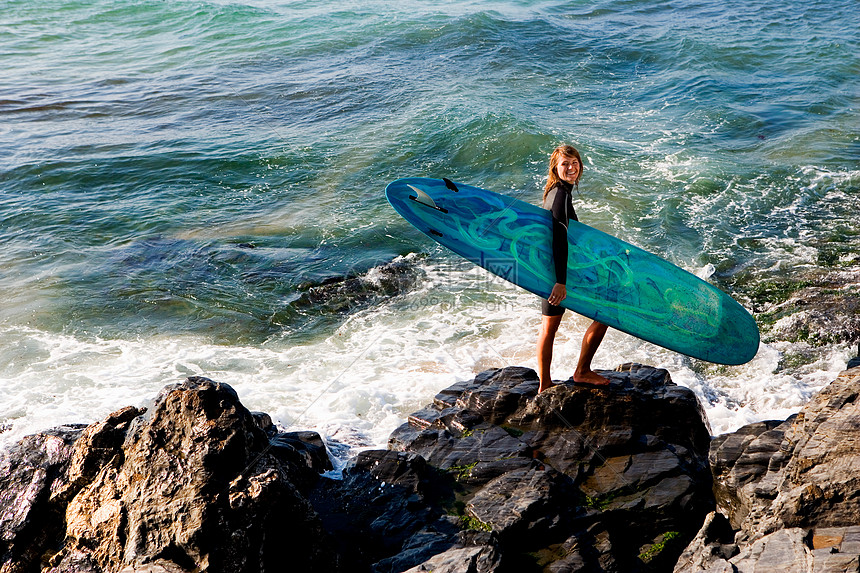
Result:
554,159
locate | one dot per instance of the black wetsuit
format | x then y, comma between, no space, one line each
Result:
559,202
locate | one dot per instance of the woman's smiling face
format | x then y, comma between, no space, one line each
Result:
568,169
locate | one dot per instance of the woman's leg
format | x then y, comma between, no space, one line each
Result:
549,327
590,341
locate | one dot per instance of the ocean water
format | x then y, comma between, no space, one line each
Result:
196,188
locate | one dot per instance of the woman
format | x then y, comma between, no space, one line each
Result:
565,169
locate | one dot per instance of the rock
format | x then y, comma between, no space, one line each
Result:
576,478
740,460
303,456
813,476
788,491
98,445
460,560
31,517
340,294
854,362
712,547
783,551
527,502
818,307
388,511
195,485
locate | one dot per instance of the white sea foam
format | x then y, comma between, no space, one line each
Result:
359,383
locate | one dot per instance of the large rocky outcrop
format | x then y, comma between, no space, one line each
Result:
193,485
490,477
574,479
493,477
788,493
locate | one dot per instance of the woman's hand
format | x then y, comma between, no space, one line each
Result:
558,294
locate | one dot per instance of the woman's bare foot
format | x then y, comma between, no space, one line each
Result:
545,386
591,378
590,341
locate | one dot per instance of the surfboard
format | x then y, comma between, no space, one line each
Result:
608,280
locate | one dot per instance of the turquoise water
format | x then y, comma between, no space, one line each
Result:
180,182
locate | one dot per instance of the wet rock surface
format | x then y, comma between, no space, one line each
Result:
341,294
817,308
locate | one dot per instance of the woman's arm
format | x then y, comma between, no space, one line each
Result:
558,208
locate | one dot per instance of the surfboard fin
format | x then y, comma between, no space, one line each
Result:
424,198
450,185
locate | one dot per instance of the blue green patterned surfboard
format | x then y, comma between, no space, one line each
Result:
608,279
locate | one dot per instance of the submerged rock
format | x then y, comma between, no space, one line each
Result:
816,308
346,293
